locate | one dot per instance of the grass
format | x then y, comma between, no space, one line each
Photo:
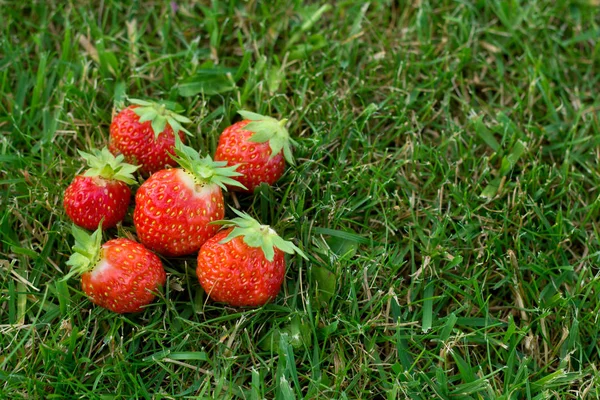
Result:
446,193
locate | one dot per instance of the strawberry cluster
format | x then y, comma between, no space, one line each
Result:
178,209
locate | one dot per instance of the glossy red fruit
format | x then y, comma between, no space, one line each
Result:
256,164
261,145
174,207
243,265
102,193
89,200
237,274
144,134
121,275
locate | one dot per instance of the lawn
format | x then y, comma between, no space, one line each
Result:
446,194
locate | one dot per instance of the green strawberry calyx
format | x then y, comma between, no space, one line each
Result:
272,130
205,170
104,164
159,115
86,251
257,235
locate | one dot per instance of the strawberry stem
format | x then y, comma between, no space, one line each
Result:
159,115
268,129
205,170
257,235
104,164
86,251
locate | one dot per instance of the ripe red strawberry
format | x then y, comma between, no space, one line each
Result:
174,207
121,275
145,134
101,193
243,265
260,144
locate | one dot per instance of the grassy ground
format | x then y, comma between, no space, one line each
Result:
446,192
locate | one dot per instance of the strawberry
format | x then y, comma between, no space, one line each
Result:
145,134
261,145
101,193
244,264
121,275
174,207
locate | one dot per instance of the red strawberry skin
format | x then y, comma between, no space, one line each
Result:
236,148
125,277
89,199
138,144
172,212
237,274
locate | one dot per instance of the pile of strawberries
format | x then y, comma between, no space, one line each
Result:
179,209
